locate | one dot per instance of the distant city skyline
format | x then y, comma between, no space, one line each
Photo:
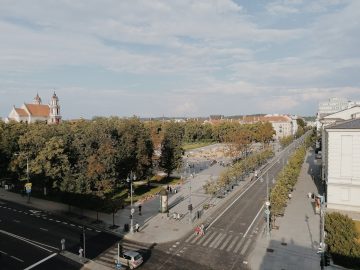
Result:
179,58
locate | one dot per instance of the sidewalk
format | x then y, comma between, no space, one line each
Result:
295,243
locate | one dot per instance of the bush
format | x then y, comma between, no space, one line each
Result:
341,240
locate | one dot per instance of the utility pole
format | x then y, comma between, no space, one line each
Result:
267,212
84,241
190,204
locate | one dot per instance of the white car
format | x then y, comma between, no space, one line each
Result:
131,259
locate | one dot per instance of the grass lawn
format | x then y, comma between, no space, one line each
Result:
357,225
191,146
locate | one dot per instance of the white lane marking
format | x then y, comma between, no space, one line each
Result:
239,245
190,237
72,225
98,231
216,240
64,222
29,240
39,262
44,229
232,243
25,240
195,239
17,221
226,241
245,247
219,241
262,207
89,229
3,252
209,239
20,260
57,221
51,219
80,226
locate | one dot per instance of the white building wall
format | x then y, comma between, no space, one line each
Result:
343,169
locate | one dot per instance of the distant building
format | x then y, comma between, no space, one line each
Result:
341,164
36,111
283,125
331,106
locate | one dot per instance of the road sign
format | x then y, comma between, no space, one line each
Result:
267,212
28,186
132,210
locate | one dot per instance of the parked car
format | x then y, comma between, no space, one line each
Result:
131,259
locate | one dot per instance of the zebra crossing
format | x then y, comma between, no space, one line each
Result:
107,258
219,240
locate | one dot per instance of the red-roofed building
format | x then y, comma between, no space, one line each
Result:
36,111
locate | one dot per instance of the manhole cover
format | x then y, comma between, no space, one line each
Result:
269,250
284,244
175,230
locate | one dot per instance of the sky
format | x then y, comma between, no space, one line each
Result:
179,58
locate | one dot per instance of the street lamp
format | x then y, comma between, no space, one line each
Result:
267,212
130,179
189,205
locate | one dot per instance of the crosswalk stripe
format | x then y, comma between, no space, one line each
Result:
195,239
209,239
215,240
190,237
226,241
204,237
239,245
219,241
232,244
245,247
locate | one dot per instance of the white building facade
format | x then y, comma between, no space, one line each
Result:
342,165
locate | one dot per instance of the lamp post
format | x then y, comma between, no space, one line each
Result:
267,212
189,205
130,179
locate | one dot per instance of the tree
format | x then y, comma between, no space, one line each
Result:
171,150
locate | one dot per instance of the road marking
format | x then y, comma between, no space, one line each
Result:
80,226
39,262
232,243
20,260
219,241
195,239
209,239
72,225
98,231
190,237
17,221
44,229
245,247
64,222
226,242
262,207
89,229
57,221
3,252
239,245
51,219
32,242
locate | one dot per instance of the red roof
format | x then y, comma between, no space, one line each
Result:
21,112
38,109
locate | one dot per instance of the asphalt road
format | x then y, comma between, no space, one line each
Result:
230,233
28,236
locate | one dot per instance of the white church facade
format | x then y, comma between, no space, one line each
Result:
36,111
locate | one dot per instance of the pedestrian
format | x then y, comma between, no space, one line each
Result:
170,189
140,209
137,226
81,251
121,251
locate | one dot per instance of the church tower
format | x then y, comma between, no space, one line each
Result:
55,116
37,100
